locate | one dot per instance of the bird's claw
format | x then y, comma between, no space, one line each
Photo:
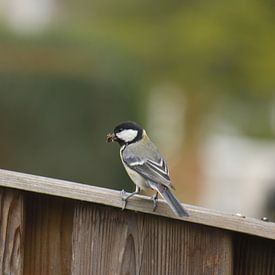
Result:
124,202
155,201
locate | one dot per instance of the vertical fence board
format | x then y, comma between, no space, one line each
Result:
253,256
109,241
11,231
48,235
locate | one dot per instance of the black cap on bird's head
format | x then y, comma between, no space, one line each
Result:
126,133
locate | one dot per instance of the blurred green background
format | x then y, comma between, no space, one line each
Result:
198,75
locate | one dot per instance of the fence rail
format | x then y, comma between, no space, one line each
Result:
51,226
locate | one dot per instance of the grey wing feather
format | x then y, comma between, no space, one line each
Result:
151,170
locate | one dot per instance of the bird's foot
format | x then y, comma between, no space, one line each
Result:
123,194
124,198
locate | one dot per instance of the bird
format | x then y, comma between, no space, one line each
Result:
144,164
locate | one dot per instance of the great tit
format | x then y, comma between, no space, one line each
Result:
144,164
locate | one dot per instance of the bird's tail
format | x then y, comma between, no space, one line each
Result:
172,201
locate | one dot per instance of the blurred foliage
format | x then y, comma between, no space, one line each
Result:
63,87
57,127
221,53
270,204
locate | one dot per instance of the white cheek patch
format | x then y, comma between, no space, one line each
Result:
127,135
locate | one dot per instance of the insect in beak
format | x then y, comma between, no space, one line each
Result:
111,137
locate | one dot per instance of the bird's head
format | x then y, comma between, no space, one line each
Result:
126,133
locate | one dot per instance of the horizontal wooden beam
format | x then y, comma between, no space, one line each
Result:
104,196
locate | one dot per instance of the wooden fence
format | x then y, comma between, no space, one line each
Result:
54,227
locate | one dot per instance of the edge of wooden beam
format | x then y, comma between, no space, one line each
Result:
84,192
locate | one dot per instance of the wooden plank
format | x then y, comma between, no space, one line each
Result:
110,241
138,203
11,231
48,235
253,256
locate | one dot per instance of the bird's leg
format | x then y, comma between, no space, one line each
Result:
155,201
125,196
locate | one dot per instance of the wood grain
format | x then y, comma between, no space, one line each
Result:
110,241
48,235
253,256
110,197
11,232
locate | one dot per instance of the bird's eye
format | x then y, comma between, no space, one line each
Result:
120,129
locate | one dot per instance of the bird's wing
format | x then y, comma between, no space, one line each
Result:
154,171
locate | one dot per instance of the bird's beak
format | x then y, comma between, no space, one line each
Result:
111,137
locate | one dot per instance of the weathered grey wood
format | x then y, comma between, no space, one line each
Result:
138,203
48,235
11,232
110,241
253,255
